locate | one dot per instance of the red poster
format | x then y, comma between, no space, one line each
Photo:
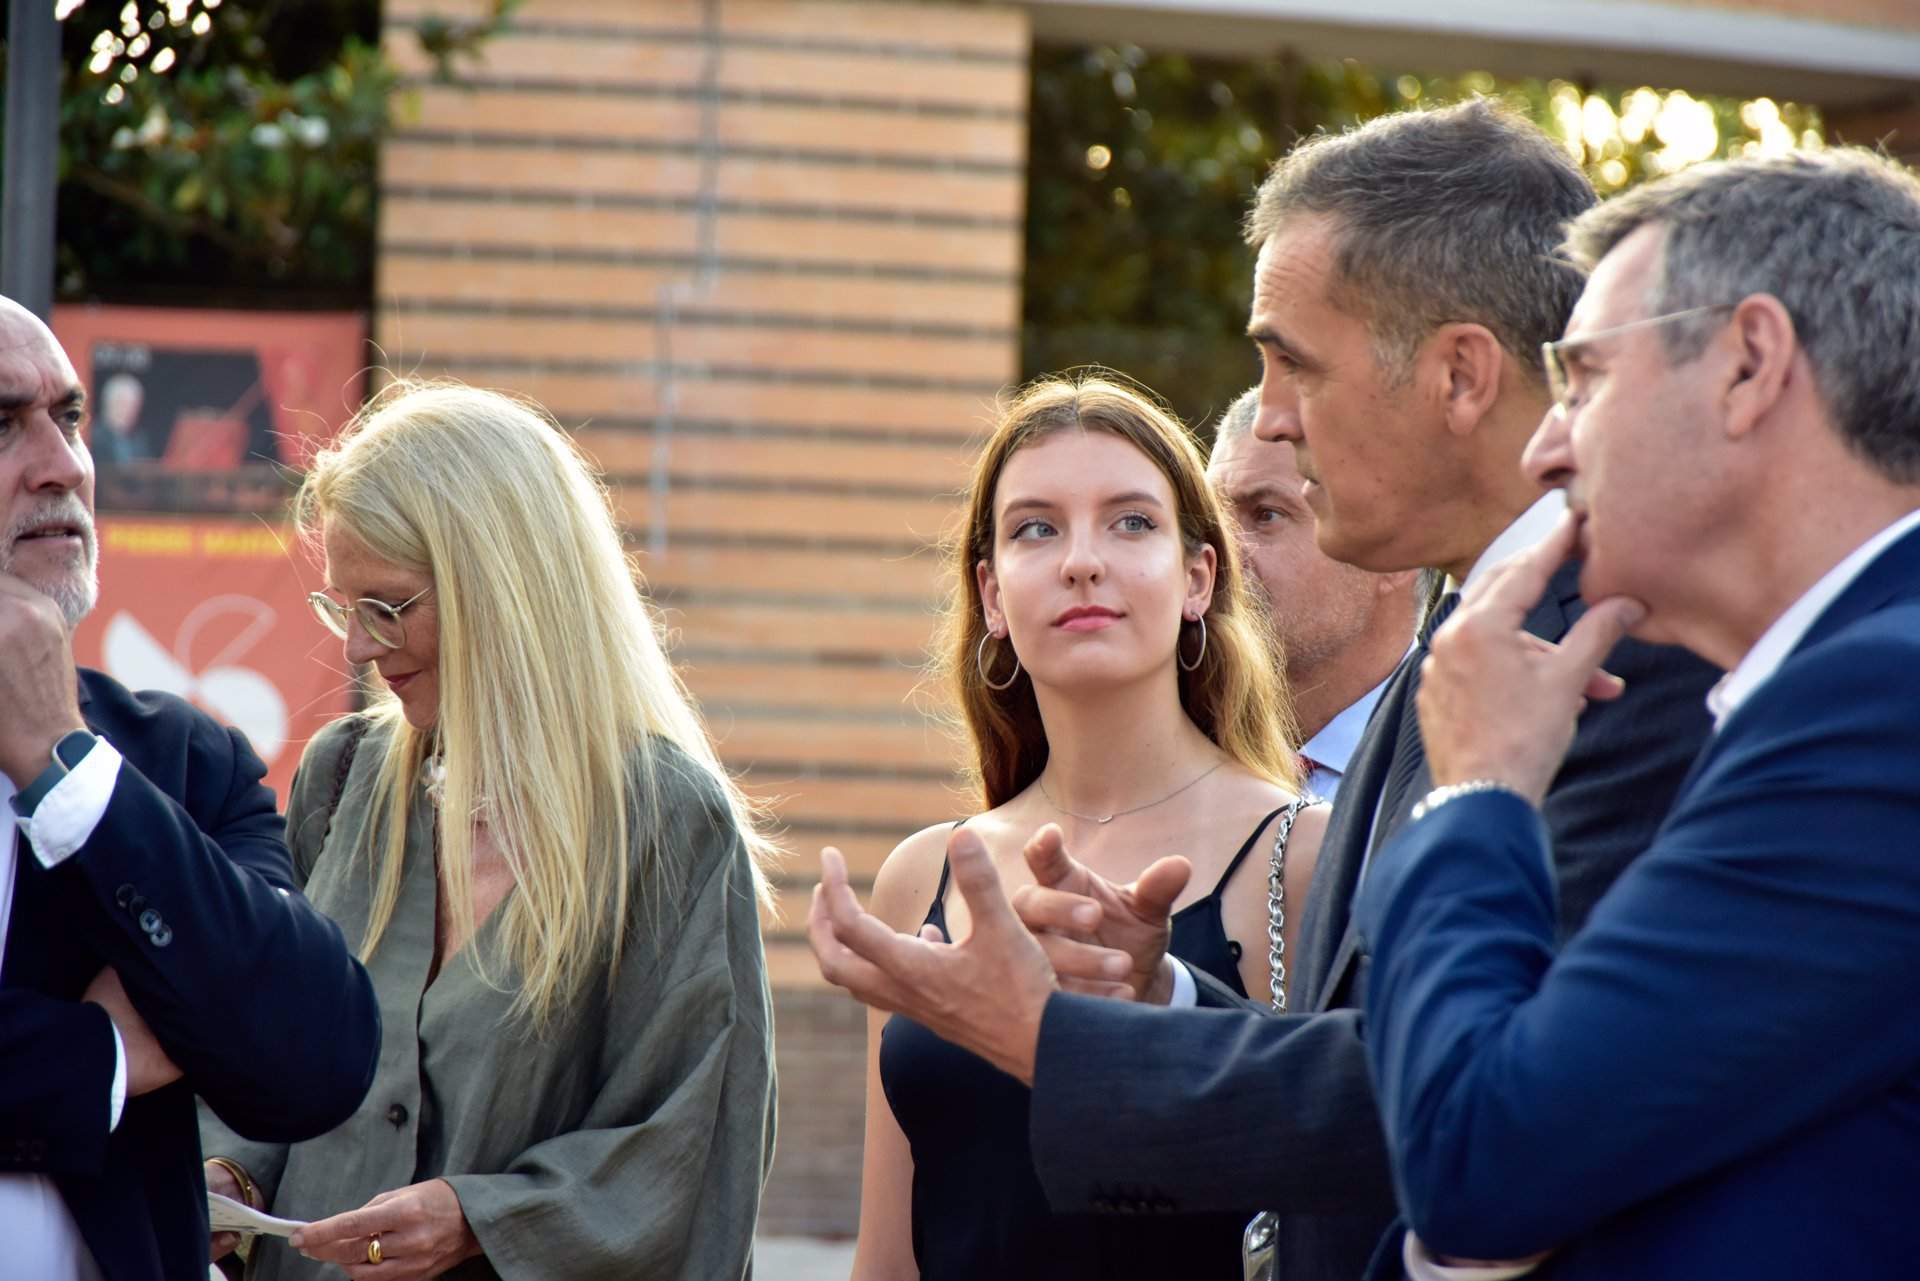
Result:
196,411
215,610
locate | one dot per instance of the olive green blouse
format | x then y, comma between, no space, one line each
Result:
630,1142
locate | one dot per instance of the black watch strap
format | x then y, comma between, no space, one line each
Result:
68,752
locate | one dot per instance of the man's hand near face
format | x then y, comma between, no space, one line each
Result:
1498,704
37,685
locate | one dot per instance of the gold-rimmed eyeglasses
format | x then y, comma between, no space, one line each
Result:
1554,354
378,619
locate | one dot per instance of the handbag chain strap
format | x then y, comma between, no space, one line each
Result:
1277,905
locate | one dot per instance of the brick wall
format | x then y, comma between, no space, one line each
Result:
821,1045
764,259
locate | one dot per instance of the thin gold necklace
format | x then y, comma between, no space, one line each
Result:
1095,818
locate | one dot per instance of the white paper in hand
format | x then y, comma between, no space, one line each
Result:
229,1215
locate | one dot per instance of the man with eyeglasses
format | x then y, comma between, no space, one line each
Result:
1720,1076
153,945
1405,279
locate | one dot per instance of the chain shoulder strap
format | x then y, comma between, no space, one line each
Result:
1277,905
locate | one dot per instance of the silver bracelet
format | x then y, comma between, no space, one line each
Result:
1441,795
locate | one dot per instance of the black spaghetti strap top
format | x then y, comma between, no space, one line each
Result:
978,1208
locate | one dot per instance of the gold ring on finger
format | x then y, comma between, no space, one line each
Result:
373,1249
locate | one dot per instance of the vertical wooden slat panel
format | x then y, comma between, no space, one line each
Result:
768,268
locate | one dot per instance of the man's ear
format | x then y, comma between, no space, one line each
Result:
1763,350
989,585
1465,362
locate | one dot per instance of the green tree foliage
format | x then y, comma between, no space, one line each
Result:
228,148
1141,167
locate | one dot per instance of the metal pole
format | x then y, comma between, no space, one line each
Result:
33,139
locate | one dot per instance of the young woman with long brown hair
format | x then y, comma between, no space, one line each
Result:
1114,678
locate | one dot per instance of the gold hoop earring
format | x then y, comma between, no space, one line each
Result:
1198,658
980,665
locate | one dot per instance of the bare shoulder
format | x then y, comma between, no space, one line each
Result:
1309,829
904,888
1250,804
1244,797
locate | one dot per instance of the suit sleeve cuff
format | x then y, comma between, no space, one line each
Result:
65,819
1185,994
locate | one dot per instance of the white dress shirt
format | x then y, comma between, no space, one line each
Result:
41,1238
1332,747
1529,528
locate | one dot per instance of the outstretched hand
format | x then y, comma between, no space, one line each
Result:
1498,703
985,993
1081,918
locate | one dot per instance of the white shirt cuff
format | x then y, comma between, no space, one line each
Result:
64,819
119,1100
1421,1266
1185,994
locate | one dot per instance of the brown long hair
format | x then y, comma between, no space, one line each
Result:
1236,695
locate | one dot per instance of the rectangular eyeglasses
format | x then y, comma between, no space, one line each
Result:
1554,354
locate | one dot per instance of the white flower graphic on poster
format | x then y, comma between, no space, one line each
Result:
236,695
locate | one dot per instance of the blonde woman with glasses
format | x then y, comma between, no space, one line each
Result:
552,881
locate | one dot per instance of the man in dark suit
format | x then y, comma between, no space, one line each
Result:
1720,1076
154,947
1406,277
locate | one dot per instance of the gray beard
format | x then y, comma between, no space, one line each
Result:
77,590
77,594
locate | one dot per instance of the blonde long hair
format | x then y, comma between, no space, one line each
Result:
555,691
1236,696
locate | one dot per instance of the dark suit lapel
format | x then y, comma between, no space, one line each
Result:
1408,778
1343,848
1559,607
36,958
1893,575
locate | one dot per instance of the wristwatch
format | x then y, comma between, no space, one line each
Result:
68,752
1452,791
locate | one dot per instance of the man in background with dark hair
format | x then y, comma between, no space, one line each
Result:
1342,630
1406,278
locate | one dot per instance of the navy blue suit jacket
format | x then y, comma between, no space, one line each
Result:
185,889
1720,1075
1138,1108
